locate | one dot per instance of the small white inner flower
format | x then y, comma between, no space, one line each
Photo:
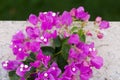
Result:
53,68
73,69
6,61
26,66
45,13
5,65
45,74
90,49
20,49
45,40
22,65
94,49
21,69
41,37
53,14
15,46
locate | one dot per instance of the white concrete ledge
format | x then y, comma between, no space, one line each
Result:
108,48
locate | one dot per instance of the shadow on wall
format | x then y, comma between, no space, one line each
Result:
20,9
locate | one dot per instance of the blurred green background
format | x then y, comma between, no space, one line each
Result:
20,9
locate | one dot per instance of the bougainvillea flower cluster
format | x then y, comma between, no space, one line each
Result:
52,48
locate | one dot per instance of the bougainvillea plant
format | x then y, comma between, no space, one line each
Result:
54,49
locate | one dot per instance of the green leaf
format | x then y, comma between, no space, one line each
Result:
28,61
61,62
31,58
65,40
57,42
80,32
47,50
65,48
63,56
74,29
82,35
13,75
83,38
57,49
32,55
65,51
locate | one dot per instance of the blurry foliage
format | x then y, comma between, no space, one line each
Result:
20,9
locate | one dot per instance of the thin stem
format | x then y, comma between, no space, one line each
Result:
55,56
58,53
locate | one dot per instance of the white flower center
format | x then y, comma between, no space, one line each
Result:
45,74
90,49
20,49
45,13
22,65
53,14
41,37
15,46
5,65
21,69
45,40
73,69
53,68
26,66
94,49
6,61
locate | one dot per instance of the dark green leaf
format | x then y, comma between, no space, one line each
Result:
65,51
65,40
30,78
82,35
63,56
57,42
57,49
13,75
30,59
47,50
32,55
61,62
65,48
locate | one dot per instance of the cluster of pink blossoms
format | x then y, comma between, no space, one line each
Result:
32,49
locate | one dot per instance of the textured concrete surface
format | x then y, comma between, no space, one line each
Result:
108,48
